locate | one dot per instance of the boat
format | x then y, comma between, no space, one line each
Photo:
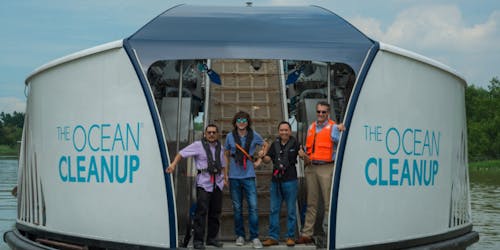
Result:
102,125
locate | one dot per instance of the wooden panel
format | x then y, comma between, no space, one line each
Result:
257,93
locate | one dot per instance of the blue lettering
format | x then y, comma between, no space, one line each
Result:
83,135
416,142
61,161
71,178
121,179
86,167
427,181
134,166
427,144
118,137
371,161
104,137
381,182
405,174
421,172
393,172
98,137
107,168
366,131
135,138
404,140
435,142
93,170
90,136
80,168
435,167
417,173
387,140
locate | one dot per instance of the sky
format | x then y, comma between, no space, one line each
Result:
462,34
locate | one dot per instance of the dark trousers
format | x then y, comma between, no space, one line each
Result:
208,207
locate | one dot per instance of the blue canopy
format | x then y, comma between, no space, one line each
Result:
293,33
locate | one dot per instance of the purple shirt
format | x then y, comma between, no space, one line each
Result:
197,151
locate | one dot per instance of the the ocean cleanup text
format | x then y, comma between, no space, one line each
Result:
100,153
410,158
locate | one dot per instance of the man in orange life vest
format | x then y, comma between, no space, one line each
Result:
322,138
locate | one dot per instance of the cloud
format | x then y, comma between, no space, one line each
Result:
440,32
370,26
432,26
11,104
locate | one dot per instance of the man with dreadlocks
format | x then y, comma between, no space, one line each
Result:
240,146
212,175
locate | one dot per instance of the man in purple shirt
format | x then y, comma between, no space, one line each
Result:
212,176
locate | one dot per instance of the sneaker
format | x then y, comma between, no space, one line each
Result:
290,242
270,242
240,241
256,243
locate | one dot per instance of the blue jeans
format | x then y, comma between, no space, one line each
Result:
237,187
283,192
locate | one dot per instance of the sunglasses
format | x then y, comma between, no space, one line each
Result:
321,111
211,132
241,120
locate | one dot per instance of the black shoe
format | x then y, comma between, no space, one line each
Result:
215,243
198,245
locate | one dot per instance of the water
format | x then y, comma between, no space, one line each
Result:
8,179
485,202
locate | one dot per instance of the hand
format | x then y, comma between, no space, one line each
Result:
170,169
304,156
257,163
301,152
307,160
226,180
341,127
261,153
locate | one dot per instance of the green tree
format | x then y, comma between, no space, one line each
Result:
11,128
483,121
15,119
494,124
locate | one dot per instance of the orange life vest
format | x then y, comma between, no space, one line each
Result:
320,146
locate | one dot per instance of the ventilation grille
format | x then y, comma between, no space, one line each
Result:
460,211
31,202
